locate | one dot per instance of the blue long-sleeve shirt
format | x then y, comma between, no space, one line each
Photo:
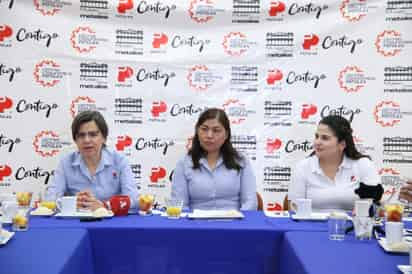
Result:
113,176
220,188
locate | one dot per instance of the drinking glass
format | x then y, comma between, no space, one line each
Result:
337,226
174,208
363,227
145,204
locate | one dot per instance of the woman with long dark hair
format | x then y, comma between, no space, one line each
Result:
213,175
334,170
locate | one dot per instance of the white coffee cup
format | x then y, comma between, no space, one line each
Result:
7,197
362,207
67,204
303,207
394,232
9,209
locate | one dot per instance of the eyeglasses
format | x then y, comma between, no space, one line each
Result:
91,134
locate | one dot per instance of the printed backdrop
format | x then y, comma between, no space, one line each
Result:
276,67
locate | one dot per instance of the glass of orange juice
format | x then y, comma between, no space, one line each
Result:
21,220
394,212
146,204
49,204
24,198
174,208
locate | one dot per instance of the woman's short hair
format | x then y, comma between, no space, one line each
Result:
343,132
88,116
229,154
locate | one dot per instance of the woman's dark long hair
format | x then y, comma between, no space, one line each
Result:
229,154
343,131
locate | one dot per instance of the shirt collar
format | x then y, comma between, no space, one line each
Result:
203,161
106,160
315,167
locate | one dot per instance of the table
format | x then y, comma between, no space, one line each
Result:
63,251
314,253
154,244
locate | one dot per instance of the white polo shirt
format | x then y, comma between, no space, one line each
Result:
309,181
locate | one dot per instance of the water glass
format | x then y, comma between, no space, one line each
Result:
363,227
337,226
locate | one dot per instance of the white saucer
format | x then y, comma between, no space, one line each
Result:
7,236
277,214
315,216
402,247
405,269
36,213
80,214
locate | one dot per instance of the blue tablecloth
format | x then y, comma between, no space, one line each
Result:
155,244
40,251
314,253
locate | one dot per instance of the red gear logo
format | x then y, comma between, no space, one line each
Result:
81,46
235,48
391,37
5,103
44,151
350,86
45,64
81,100
200,18
385,122
351,15
157,173
199,85
45,10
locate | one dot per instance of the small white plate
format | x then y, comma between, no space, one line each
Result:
315,216
215,214
402,247
36,213
7,235
277,214
182,215
4,220
81,214
405,269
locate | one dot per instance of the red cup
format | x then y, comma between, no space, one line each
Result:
120,204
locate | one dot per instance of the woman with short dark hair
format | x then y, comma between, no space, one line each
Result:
93,173
213,175
334,169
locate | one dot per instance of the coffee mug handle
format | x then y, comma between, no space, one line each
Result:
293,206
59,204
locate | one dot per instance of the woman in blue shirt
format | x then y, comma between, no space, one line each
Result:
213,175
93,173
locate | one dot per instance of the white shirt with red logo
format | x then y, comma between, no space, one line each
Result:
309,181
